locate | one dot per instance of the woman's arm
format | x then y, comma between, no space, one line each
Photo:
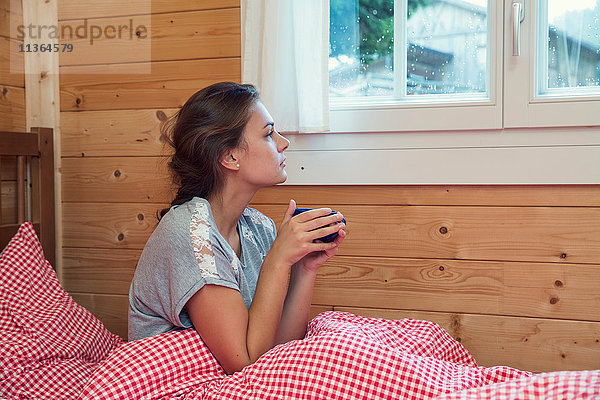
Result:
296,308
236,336
265,311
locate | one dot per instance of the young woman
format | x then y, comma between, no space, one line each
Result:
213,262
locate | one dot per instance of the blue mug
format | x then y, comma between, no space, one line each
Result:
328,238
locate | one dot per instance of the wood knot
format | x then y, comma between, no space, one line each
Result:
441,268
558,283
161,115
82,154
563,255
455,322
459,339
78,101
140,217
554,300
121,237
443,230
117,173
563,355
4,91
138,33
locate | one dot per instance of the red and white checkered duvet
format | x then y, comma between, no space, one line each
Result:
54,349
343,356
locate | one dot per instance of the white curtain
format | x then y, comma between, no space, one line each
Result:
285,52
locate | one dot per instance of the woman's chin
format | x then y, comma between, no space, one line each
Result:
283,177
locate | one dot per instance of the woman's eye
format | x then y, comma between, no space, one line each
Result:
270,133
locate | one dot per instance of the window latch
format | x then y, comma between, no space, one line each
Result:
518,14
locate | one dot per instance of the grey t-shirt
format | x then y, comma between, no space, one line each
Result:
185,252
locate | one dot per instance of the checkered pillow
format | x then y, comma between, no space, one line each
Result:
49,345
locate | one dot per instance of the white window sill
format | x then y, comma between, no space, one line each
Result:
494,157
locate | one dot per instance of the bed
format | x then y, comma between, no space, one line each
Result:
54,348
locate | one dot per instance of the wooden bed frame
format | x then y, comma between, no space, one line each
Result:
35,198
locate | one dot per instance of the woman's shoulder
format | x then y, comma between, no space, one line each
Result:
256,217
180,218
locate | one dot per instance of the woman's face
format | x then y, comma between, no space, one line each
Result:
262,163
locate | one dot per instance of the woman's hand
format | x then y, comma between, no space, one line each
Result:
294,241
312,261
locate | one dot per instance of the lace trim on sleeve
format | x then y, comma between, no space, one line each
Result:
200,234
259,218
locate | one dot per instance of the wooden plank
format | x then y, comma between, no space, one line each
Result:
11,63
567,291
537,234
539,345
105,225
41,67
18,144
169,36
316,309
94,176
126,180
9,230
100,271
113,133
12,108
9,202
11,15
119,86
72,9
46,192
111,310
21,194
516,289
9,168
434,195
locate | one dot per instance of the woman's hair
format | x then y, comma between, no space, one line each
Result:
209,124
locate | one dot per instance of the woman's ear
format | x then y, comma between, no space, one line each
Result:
230,161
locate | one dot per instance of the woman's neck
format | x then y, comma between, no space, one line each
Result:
227,208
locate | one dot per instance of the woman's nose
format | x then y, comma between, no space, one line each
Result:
284,143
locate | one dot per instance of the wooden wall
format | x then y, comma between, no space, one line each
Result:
513,272
112,156
12,102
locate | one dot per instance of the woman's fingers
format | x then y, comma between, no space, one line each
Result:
316,221
327,230
323,221
289,213
323,246
311,214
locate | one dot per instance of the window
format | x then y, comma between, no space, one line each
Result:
555,80
438,98
439,67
